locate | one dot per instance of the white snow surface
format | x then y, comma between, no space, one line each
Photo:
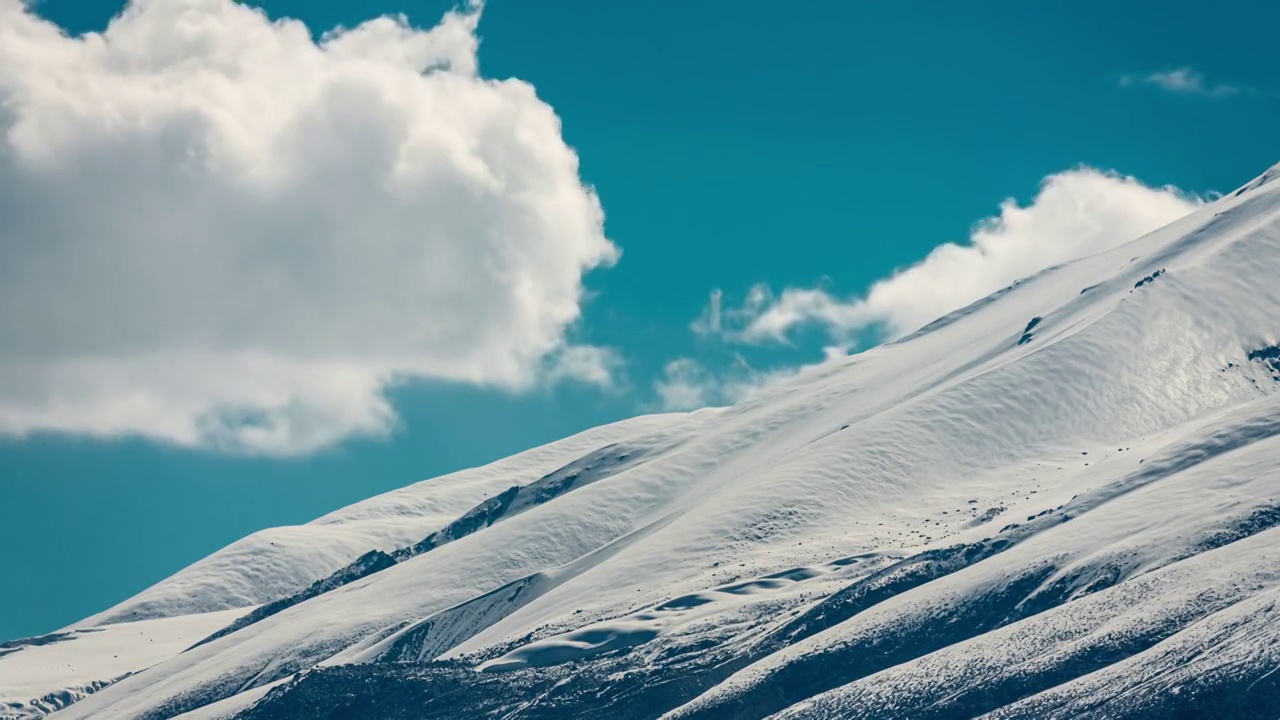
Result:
275,562
35,678
1118,461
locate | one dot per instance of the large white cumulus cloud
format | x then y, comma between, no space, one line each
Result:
1077,212
217,231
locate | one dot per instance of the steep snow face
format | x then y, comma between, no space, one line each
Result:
1059,501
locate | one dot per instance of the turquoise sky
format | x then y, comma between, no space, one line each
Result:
731,143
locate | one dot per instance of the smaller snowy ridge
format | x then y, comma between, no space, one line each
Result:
516,499
276,563
43,674
1271,174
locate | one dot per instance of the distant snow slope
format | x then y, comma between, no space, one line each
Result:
39,675
1061,501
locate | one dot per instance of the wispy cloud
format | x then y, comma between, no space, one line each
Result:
1076,213
686,384
1184,81
709,323
600,367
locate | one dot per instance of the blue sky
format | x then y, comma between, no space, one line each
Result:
730,144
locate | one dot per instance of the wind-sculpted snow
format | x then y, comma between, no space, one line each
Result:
862,639
1060,501
1069,642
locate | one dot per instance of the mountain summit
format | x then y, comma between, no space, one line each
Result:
1061,501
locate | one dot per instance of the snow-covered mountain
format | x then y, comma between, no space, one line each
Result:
1061,501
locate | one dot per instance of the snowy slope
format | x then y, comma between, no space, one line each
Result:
275,562
1061,501
39,675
